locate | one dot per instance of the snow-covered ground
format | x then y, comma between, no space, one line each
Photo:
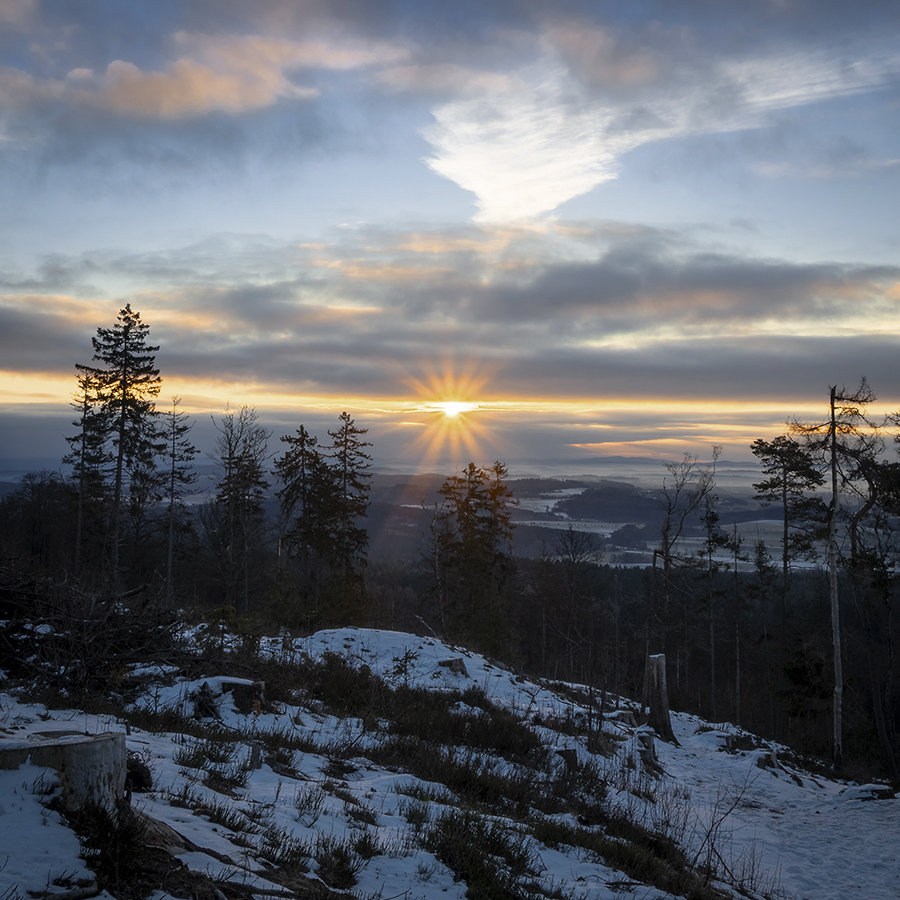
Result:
776,828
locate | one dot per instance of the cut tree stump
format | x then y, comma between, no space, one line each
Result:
91,767
457,666
647,751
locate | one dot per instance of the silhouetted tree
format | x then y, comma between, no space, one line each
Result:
793,474
715,541
349,465
127,383
683,494
306,504
240,456
471,553
90,460
180,477
35,523
843,441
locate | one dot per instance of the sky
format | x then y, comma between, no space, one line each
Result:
610,229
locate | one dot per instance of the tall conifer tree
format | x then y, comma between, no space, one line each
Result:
180,476
304,498
793,477
128,383
88,456
350,473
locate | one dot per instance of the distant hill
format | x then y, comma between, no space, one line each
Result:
619,501
402,505
612,501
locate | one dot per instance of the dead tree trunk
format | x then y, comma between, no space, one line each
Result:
659,719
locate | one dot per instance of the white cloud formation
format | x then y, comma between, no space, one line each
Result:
525,147
782,81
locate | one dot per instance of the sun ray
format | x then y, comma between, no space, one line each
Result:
449,400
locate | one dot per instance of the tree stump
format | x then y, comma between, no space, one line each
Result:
659,719
249,697
91,768
570,758
647,751
456,666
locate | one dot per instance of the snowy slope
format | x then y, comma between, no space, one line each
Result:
776,830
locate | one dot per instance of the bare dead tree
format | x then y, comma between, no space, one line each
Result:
841,441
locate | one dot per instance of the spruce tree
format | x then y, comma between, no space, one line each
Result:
88,456
127,384
180,476
349,467
472,554
304,499
793,477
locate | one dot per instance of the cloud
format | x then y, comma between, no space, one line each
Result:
523,150
230,74
258,53
17,12
55,323
55,272
442,78
189,89
850,169
654,339
20,90
650,316
561,126
646,284
598,59
789,79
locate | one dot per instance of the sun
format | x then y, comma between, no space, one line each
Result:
447,406
452,408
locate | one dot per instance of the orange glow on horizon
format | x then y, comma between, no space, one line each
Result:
450,414
438,393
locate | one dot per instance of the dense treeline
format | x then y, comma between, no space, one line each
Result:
796,641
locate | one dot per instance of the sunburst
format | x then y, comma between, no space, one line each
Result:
452,408
449,408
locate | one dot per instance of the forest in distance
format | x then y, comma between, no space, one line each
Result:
791,633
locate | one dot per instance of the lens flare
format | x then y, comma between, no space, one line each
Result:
452,408
446,405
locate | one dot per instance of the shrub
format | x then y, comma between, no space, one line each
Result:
308,802
114,848
491,860
282,849
337,862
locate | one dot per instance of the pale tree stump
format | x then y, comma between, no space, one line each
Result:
658,697
91,768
